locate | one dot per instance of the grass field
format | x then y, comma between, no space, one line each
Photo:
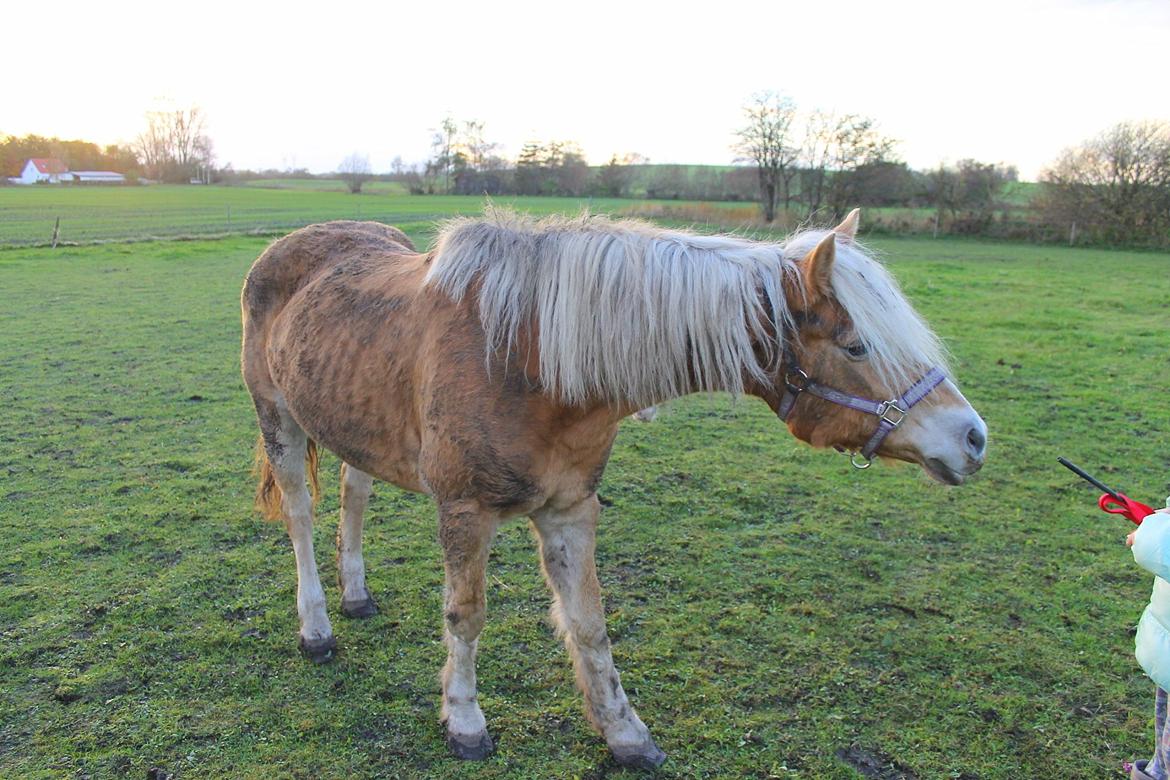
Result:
326,185
775,614
98,214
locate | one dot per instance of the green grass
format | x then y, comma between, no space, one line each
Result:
96,214
327,185
771,608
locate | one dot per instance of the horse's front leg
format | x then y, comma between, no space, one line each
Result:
465,533
567,543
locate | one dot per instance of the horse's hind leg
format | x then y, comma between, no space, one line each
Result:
356,601
465,533
286,445
567,544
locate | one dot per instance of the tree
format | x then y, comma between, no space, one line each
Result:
77,155
529,167
554,168
765,141
616,177
856,150
968,193
837,154
174,146
462,160
886,183
475,148
570,171
355,171
1115,187
443,144
667,182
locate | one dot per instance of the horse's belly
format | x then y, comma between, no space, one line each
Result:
346,377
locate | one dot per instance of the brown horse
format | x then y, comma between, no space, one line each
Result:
492,372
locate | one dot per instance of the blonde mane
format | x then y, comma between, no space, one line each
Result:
901,346
629,312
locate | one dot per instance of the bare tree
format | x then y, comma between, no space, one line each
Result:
174,146
765,141
1115,187
476,149
815,153
355,171
443,142
837,152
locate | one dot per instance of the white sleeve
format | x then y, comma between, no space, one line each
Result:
1151,544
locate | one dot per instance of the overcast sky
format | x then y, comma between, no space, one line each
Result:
303,85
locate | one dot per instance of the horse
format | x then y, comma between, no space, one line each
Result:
491,373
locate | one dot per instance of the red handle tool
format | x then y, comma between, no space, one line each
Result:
1121,504
1112,502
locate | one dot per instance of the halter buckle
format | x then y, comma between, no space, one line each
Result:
891,413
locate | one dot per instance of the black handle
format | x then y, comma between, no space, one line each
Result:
1080,472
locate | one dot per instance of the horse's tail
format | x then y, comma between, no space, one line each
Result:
268,493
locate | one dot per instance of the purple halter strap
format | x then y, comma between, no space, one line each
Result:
890,413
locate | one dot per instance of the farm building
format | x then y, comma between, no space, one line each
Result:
96,177
53,171
48,169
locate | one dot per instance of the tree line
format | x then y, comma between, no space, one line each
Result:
813,167
800,166
174,147
76,155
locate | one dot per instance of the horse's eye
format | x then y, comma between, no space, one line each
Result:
857,350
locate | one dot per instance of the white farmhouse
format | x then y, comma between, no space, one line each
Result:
48,169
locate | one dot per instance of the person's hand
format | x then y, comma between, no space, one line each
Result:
1129,539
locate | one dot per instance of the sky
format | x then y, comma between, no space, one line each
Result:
289,84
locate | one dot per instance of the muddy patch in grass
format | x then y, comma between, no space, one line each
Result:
873,764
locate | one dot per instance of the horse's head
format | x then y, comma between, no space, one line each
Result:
861,370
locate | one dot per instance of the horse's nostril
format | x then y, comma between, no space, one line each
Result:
976,440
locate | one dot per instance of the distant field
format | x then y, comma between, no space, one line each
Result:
92,214
27,215
775,613
273,206
326,185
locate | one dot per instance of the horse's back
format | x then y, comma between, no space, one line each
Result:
332,329
293,261
389,373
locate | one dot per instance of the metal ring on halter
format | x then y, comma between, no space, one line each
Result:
794,387
865,463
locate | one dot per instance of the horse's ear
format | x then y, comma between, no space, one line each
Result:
848,227
818,268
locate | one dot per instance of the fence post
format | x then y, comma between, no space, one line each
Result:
936,224
1072,234
56,230
229,219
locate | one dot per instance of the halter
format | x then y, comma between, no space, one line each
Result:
890,413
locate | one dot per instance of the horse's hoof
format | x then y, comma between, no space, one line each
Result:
319,651
472,747
359,608
644,756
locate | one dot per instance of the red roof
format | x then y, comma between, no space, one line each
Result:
49,165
